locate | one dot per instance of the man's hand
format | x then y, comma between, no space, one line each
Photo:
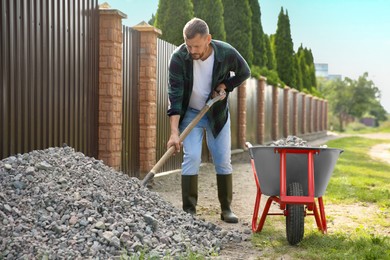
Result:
220,90
174,140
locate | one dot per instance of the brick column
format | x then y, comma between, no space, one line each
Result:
310,119
261,109
147,96
110,86
295,112
241,95
275,112
304,117
286,113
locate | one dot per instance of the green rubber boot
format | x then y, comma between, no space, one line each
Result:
189,192
225,195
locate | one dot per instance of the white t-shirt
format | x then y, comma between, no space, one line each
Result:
203,73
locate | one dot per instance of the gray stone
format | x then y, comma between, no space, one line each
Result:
67,205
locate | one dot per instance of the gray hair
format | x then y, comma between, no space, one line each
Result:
195,26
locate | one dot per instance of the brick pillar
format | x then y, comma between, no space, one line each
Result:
310,119
241,95
275,112
295,112
304,117
261,109
110,86
286,112
147,96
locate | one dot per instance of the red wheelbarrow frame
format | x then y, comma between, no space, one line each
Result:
283,199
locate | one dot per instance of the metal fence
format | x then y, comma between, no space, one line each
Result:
48,75
251,111
164,51
130,121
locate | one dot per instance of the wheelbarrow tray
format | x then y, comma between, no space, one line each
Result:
267,164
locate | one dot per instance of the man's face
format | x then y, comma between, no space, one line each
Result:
198,46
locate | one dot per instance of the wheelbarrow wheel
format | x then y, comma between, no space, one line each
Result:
295,215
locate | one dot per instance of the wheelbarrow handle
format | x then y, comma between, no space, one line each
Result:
182,136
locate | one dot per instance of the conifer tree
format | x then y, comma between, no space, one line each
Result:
211,11
297,73
237,17
259,52
284,49
171,17
270,61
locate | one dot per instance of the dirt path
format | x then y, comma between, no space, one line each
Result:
245,194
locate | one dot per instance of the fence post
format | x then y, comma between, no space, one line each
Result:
261,109
147,95
110,86
295,112
275,112
286,113
242,115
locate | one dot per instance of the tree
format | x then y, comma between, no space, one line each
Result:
151,21
211,11
171,17
284,49
352,97
297,72
237,17
270,61
258,43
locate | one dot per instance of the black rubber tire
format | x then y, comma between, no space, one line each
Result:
295,222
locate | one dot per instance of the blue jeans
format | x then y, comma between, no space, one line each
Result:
219,147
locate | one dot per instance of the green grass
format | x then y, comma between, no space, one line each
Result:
357,179
358,244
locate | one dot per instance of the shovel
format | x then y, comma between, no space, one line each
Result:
182,136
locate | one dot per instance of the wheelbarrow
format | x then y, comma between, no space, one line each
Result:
293,177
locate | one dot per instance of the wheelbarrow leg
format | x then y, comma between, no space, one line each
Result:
263,215
320,217
323,217
317,217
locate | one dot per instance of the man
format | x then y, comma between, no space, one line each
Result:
200,69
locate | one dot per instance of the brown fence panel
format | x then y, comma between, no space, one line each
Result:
49,75
268,114
251,111
164,51
300,113
130,123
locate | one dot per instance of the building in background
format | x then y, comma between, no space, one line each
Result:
322,71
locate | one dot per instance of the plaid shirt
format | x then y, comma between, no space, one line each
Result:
226,59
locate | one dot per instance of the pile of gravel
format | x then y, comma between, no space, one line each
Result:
58,203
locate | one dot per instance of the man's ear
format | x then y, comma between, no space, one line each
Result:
208,38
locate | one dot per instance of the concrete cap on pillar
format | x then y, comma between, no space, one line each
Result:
145,27
105,8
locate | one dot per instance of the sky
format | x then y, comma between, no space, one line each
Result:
351,36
